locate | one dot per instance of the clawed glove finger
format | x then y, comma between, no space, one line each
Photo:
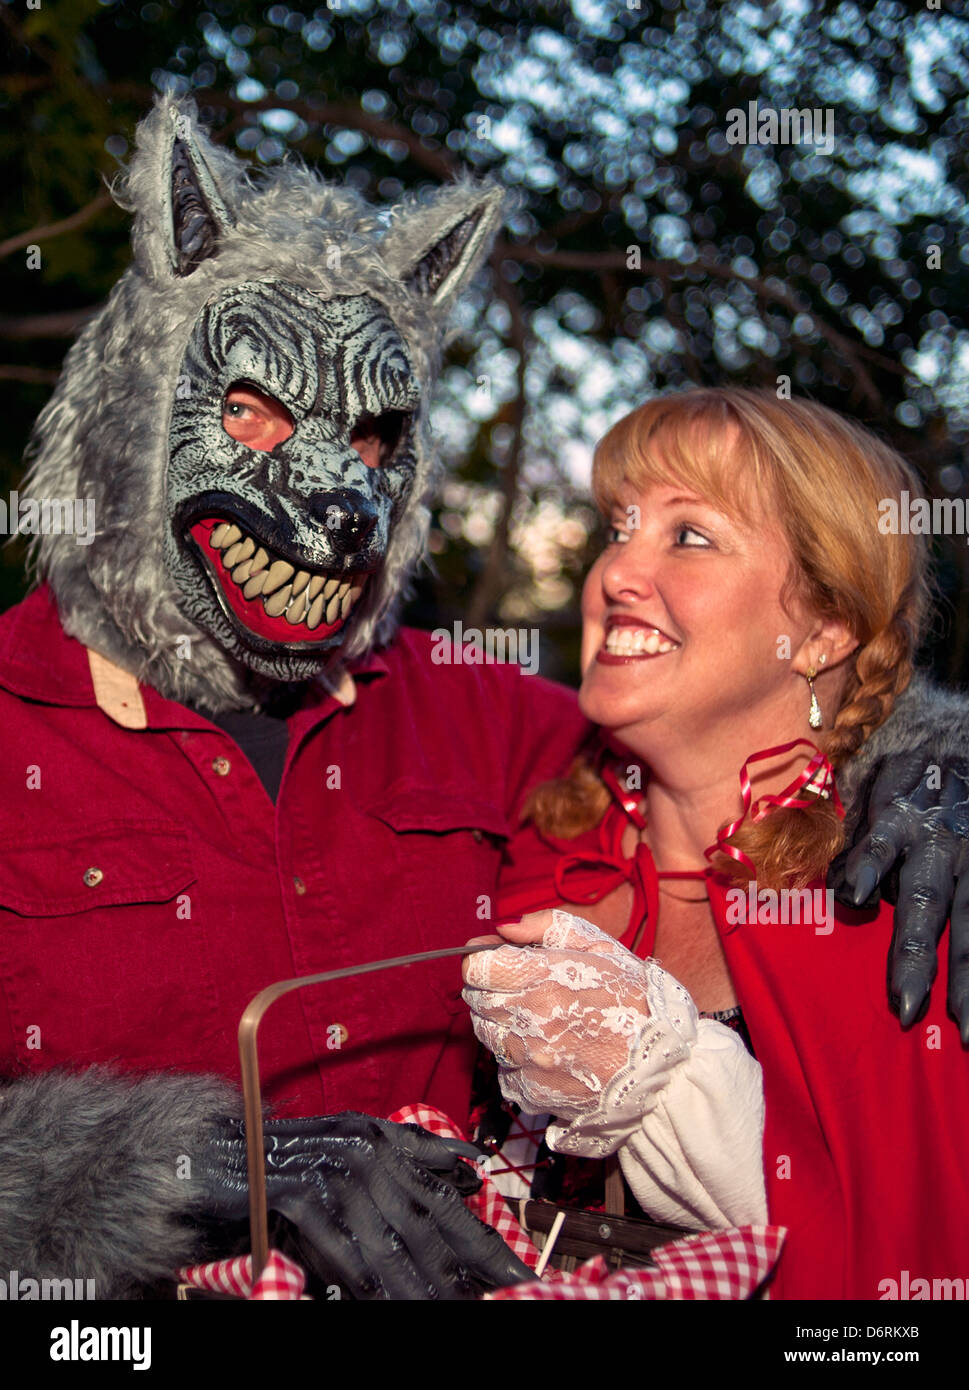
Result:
924,891
959,958
432,1150
937,835
877,851
883,839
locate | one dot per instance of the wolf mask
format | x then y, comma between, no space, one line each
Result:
216,567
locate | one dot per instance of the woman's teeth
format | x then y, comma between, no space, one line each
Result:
637,641
285,591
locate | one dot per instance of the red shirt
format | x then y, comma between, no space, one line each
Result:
149,887
866,1144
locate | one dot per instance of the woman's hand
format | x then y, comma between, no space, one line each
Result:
561,1008
612,1047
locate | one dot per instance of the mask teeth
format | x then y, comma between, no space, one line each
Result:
298,595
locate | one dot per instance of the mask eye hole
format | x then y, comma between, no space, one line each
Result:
254,418
375,437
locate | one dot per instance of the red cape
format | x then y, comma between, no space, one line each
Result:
866,1145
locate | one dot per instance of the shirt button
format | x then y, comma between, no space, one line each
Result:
299,885
477,836
93,877
221,767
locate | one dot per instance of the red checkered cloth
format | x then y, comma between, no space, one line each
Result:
718,1264
282,1278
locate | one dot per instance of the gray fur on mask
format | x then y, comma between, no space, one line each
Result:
203,225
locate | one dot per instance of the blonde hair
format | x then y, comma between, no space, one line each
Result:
823,477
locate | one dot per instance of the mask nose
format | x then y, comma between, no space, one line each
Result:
348,517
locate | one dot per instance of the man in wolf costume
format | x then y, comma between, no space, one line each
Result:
248,413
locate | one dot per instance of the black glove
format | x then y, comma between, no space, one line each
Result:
905,812
376,1206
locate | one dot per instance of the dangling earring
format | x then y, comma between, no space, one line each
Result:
814,713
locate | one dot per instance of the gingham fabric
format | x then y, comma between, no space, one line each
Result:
719,1264
282,1278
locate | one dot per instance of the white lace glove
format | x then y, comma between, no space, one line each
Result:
613,1045
558,1017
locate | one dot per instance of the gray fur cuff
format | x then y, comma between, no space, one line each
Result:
926,719
96,1175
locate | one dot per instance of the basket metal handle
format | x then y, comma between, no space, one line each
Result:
252,1088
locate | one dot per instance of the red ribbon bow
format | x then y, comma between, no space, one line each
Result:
818,770
788,797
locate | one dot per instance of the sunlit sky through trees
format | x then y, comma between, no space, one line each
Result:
643,250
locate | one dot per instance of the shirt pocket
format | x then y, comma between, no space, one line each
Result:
448,850
102,956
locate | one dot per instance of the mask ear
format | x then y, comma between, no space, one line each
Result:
435,249
179,186
198,215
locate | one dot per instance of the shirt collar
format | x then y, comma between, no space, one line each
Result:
117,692
38,661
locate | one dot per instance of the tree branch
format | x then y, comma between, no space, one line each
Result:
493,577
63,324
596,261
437,162
31,376
52,229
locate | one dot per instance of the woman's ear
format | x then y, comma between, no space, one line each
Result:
831,640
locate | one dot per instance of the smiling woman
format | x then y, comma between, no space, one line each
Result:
744,532
744,557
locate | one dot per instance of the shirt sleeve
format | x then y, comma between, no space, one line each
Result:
686,1117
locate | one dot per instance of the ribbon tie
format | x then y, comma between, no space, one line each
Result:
612,870
818,770
586,876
